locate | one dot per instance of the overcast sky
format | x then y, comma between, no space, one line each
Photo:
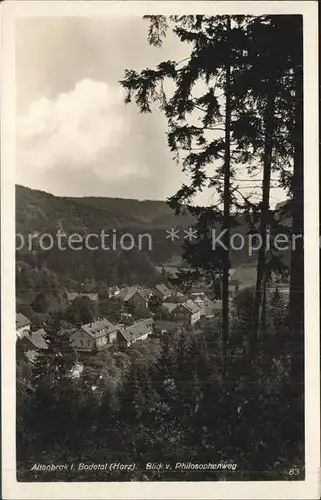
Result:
75,135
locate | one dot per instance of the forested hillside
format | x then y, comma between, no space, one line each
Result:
41,212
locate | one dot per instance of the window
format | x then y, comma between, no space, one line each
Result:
81,342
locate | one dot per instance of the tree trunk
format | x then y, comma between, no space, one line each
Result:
226,214
261,265
262,317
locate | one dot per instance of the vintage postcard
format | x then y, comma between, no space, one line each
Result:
160,250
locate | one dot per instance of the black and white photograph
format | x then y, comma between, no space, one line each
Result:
160,215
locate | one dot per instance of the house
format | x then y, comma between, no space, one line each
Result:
134,296
102,333
163,326
175,297
22,325
200,299
187,312
138,331
31,343
71,296
162,291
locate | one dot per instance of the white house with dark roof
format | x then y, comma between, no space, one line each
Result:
187,312
22,325
200,299
138,331
100,332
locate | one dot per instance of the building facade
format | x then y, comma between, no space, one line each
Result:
188,313
101,333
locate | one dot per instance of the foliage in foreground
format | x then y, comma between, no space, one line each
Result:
165,401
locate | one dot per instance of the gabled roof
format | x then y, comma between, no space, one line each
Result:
140,328
127,293
21,321
38,339
163,289
190,306
137,330
99,328
126,335
199,297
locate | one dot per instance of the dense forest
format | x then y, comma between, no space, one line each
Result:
165,400
228,392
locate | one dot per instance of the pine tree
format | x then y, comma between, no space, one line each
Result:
263,63
278,312
269,99
54,394
214,58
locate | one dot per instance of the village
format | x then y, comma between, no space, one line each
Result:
173,309
144,312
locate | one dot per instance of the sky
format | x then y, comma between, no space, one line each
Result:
75,135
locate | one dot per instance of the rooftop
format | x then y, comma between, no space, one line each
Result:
21,320
128,292
137,330
38,339
140,328
100,327
191,306
163,289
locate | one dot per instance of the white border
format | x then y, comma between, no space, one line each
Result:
308,489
